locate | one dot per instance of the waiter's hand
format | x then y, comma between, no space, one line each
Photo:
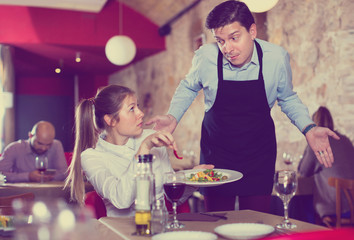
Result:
204,166
36,176
317,139
163,122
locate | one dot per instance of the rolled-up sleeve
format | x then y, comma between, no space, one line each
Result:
186,91
288,100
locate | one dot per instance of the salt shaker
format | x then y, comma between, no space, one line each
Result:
159,217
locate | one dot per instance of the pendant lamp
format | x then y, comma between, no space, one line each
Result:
258,6
120,49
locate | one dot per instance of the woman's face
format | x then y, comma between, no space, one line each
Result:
130,122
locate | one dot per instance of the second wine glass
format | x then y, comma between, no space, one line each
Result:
41,165
174,186
285,185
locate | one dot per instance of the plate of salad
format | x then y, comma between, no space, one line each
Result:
210,177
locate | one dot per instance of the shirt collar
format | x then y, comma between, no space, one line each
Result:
131,143
254,60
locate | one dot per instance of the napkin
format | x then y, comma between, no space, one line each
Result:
198,217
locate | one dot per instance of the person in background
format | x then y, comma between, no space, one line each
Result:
17,162
109,138
324,196
242,77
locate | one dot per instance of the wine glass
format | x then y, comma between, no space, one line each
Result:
41,165
285,185
287,158
174,186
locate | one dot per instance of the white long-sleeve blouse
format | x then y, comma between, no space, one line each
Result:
111,170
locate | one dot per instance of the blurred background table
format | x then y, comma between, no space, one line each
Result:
46,190
97,231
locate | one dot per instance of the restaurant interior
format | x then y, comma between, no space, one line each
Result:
52,55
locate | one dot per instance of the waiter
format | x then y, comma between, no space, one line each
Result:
242,77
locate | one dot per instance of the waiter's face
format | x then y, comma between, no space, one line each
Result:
235,42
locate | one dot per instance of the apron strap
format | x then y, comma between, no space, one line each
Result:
220,68
260,60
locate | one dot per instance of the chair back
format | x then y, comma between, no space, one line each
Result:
183,208
347,186
6,202
95,202
68,157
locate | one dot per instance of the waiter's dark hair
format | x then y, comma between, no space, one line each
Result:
229,12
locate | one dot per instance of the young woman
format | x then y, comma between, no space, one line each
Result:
109,137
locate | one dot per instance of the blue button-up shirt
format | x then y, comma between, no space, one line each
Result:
276,73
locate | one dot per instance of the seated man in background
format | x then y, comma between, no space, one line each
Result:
18,161
324,196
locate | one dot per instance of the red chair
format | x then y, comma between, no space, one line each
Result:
183,208
96,204
68,157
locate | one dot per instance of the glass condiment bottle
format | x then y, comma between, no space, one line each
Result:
148,158
144,182
159,217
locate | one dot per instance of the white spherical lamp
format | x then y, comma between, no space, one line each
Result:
120,50
259,6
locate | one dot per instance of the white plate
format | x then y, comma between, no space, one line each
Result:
244,230
185,235
232,176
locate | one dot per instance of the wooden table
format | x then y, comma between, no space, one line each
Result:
46,190
124,227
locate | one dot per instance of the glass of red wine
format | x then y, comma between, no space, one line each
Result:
41,165
174,186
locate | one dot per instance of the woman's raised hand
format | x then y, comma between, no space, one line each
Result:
157,139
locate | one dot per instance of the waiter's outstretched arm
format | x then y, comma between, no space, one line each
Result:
163,122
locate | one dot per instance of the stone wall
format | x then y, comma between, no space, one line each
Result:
319,37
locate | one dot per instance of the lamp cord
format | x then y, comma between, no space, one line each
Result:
120,14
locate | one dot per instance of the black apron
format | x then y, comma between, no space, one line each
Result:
238,133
